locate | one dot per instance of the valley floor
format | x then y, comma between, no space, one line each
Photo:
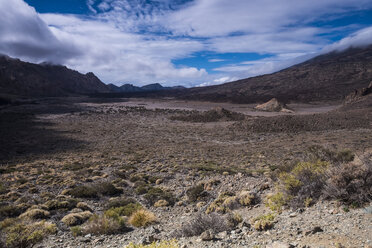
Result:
50,146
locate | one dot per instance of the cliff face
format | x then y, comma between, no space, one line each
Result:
22,78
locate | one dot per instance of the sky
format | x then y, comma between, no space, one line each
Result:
180,42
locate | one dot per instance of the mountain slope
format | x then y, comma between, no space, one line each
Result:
22,78
327,77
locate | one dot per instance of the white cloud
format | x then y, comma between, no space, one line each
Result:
215,60
360,38
24,34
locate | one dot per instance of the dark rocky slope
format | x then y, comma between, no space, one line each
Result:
27,79
327,77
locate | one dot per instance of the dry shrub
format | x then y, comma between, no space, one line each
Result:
142,218
102,224
195,192
203,222
350,183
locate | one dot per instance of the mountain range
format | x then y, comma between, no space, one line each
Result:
327,77
130,88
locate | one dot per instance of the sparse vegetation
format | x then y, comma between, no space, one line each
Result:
160,244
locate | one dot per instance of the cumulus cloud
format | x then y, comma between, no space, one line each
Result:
24,34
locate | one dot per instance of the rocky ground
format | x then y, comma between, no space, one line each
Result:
53,146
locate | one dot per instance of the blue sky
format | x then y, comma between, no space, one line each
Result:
180,42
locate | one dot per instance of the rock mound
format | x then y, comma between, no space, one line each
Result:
273,106
213,115
358,94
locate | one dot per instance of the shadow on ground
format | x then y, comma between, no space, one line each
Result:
25,137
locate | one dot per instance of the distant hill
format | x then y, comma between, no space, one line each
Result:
27,79
330,76
129,88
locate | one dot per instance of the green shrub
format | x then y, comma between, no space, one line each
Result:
126,210
305,180
263,222
156,194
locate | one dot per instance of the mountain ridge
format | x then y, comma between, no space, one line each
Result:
45,80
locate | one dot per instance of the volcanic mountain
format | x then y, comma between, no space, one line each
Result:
327,77
27,79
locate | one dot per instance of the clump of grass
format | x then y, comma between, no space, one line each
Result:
142,218
159,244
263,222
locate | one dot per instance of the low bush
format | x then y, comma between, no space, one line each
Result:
102,224
23,235
107,189
142,218
83,191
203,222
224,203
9,211
195,192
126,210
119,202
350,183
305,180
